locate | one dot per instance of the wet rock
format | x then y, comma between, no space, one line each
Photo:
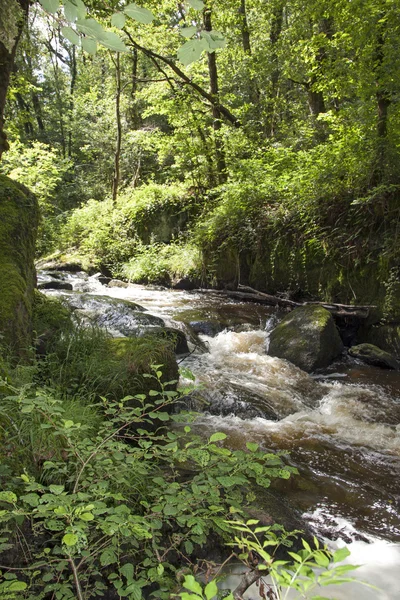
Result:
307,337
72,267
209,328
386,337
372,355
184,283
231,401
117,283
121,317
175,336
55,284
273,508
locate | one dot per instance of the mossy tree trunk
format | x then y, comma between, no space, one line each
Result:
13,14
18,227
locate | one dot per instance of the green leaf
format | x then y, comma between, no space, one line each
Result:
87,516
8,497
113,42
89,45
160,569
211,590
214,39
16,586
188,32
127,571
91,27
70,539
51,6
81,8
31,499
252,446
70,11
74,38
217,437
134,591
108,557
192,585
191,51
196,4
56,489
341,554
189,547
118,20
142,15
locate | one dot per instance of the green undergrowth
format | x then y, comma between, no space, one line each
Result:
163,263
110,235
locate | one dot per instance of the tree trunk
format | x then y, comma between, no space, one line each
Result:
117,154
216,114
254,92
7,57
383,102
275,34
73,71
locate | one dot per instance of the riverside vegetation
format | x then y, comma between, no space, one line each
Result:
154,167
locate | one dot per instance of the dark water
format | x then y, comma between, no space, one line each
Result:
341,427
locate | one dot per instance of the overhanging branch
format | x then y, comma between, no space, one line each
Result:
224,111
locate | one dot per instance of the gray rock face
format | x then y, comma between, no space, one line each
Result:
372,355
307,337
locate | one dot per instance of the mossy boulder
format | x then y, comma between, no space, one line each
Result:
50,318
372,355
307,337
19,217
175,336
386,337
129,359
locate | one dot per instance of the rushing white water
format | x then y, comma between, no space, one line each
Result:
342,428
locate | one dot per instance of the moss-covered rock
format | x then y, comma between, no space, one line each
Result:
386,337
50,317
372,355
307,337
19,217
131,358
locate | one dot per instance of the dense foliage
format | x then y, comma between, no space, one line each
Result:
289,165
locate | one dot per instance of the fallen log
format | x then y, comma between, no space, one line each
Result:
249,294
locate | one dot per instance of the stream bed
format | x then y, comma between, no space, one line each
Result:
340,426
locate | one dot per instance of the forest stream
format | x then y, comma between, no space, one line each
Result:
341,426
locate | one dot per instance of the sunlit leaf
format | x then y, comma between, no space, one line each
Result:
188,32
211,590
89,45
196,4
191,51
118,20
140,14
217,437
70,11
113,42
51,6
70,539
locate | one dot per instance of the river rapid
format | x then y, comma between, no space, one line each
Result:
341,426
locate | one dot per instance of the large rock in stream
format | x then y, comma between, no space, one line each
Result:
118,316
307,337
372,355
19,216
